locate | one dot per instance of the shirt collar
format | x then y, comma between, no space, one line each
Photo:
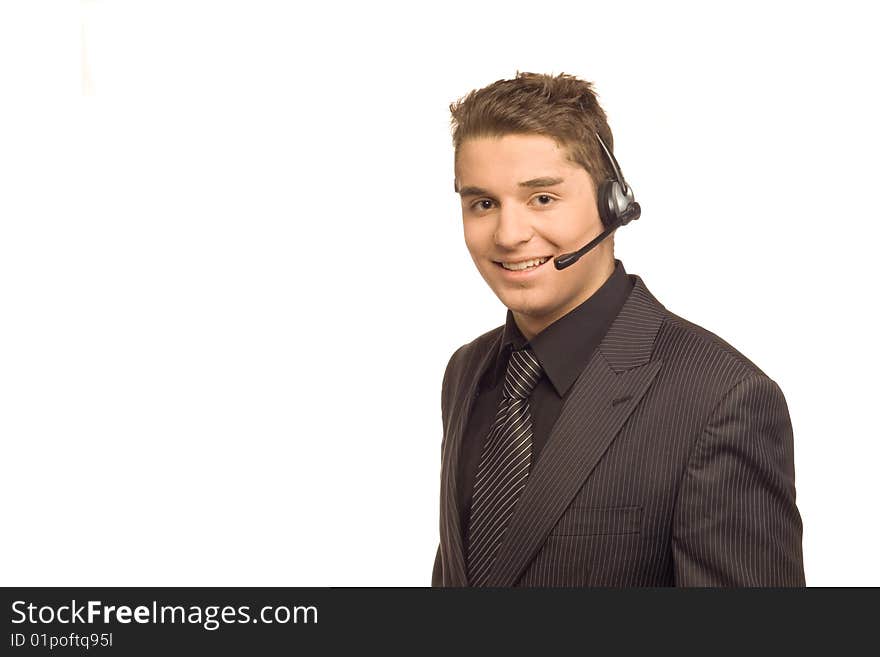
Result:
565,346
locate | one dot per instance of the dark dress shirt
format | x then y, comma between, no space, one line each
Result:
563,350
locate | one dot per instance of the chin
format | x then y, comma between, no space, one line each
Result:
529,307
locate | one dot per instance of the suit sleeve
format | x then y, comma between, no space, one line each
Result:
735,521
437,574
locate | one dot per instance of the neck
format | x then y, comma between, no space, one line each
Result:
531,325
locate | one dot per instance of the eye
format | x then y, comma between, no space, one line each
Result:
478,205
545,196
546,200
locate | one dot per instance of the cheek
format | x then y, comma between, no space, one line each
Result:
475,238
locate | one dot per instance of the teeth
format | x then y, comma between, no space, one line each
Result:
524,265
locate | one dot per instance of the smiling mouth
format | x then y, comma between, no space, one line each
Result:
527,265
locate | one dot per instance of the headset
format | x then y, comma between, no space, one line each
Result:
617,207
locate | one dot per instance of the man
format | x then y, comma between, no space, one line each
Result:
596,438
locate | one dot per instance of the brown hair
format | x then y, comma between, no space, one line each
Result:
562,107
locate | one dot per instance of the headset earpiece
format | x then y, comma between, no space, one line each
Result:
613,203
615,198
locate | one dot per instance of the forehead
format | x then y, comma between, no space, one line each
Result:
498,160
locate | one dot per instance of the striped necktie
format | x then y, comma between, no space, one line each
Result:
504,466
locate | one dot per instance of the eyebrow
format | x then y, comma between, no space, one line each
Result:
546,181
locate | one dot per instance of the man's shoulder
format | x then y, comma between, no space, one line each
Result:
475,349
693,347
703,369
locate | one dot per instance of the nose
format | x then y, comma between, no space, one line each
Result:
513,228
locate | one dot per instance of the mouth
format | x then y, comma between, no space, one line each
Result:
522,268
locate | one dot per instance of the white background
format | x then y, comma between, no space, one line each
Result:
228,236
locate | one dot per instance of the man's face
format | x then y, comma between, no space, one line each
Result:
520,199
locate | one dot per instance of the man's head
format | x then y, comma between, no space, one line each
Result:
527,168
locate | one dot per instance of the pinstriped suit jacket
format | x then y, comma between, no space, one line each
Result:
671,463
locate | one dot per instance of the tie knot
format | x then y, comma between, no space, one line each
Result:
523,372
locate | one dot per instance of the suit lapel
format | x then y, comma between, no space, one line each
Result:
455,568
607,391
